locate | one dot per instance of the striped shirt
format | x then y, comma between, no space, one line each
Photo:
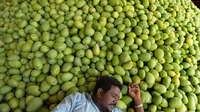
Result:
79,102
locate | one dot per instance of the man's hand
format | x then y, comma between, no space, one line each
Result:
134,92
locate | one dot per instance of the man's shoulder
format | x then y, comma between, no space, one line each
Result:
84,101
79,95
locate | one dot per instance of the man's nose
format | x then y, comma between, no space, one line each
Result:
116,99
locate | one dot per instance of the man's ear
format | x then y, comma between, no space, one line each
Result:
99,92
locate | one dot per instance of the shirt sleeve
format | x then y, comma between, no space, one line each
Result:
67,104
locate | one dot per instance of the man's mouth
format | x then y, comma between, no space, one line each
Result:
113,105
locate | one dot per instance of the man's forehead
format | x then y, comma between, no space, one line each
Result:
115,89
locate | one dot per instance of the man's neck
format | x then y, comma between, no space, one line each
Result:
100,107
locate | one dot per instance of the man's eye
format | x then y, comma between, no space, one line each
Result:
113,95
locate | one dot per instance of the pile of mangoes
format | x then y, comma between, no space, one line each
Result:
51,48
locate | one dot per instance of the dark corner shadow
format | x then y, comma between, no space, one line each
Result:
196,2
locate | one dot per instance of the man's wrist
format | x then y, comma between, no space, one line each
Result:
137,101
139,106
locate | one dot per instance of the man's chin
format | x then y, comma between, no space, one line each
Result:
108,108
111,107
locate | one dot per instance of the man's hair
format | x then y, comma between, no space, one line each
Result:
105,83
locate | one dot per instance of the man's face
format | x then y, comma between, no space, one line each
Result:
109,98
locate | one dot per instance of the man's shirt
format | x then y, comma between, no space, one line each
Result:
79,102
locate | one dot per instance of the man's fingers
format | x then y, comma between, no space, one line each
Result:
134,86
